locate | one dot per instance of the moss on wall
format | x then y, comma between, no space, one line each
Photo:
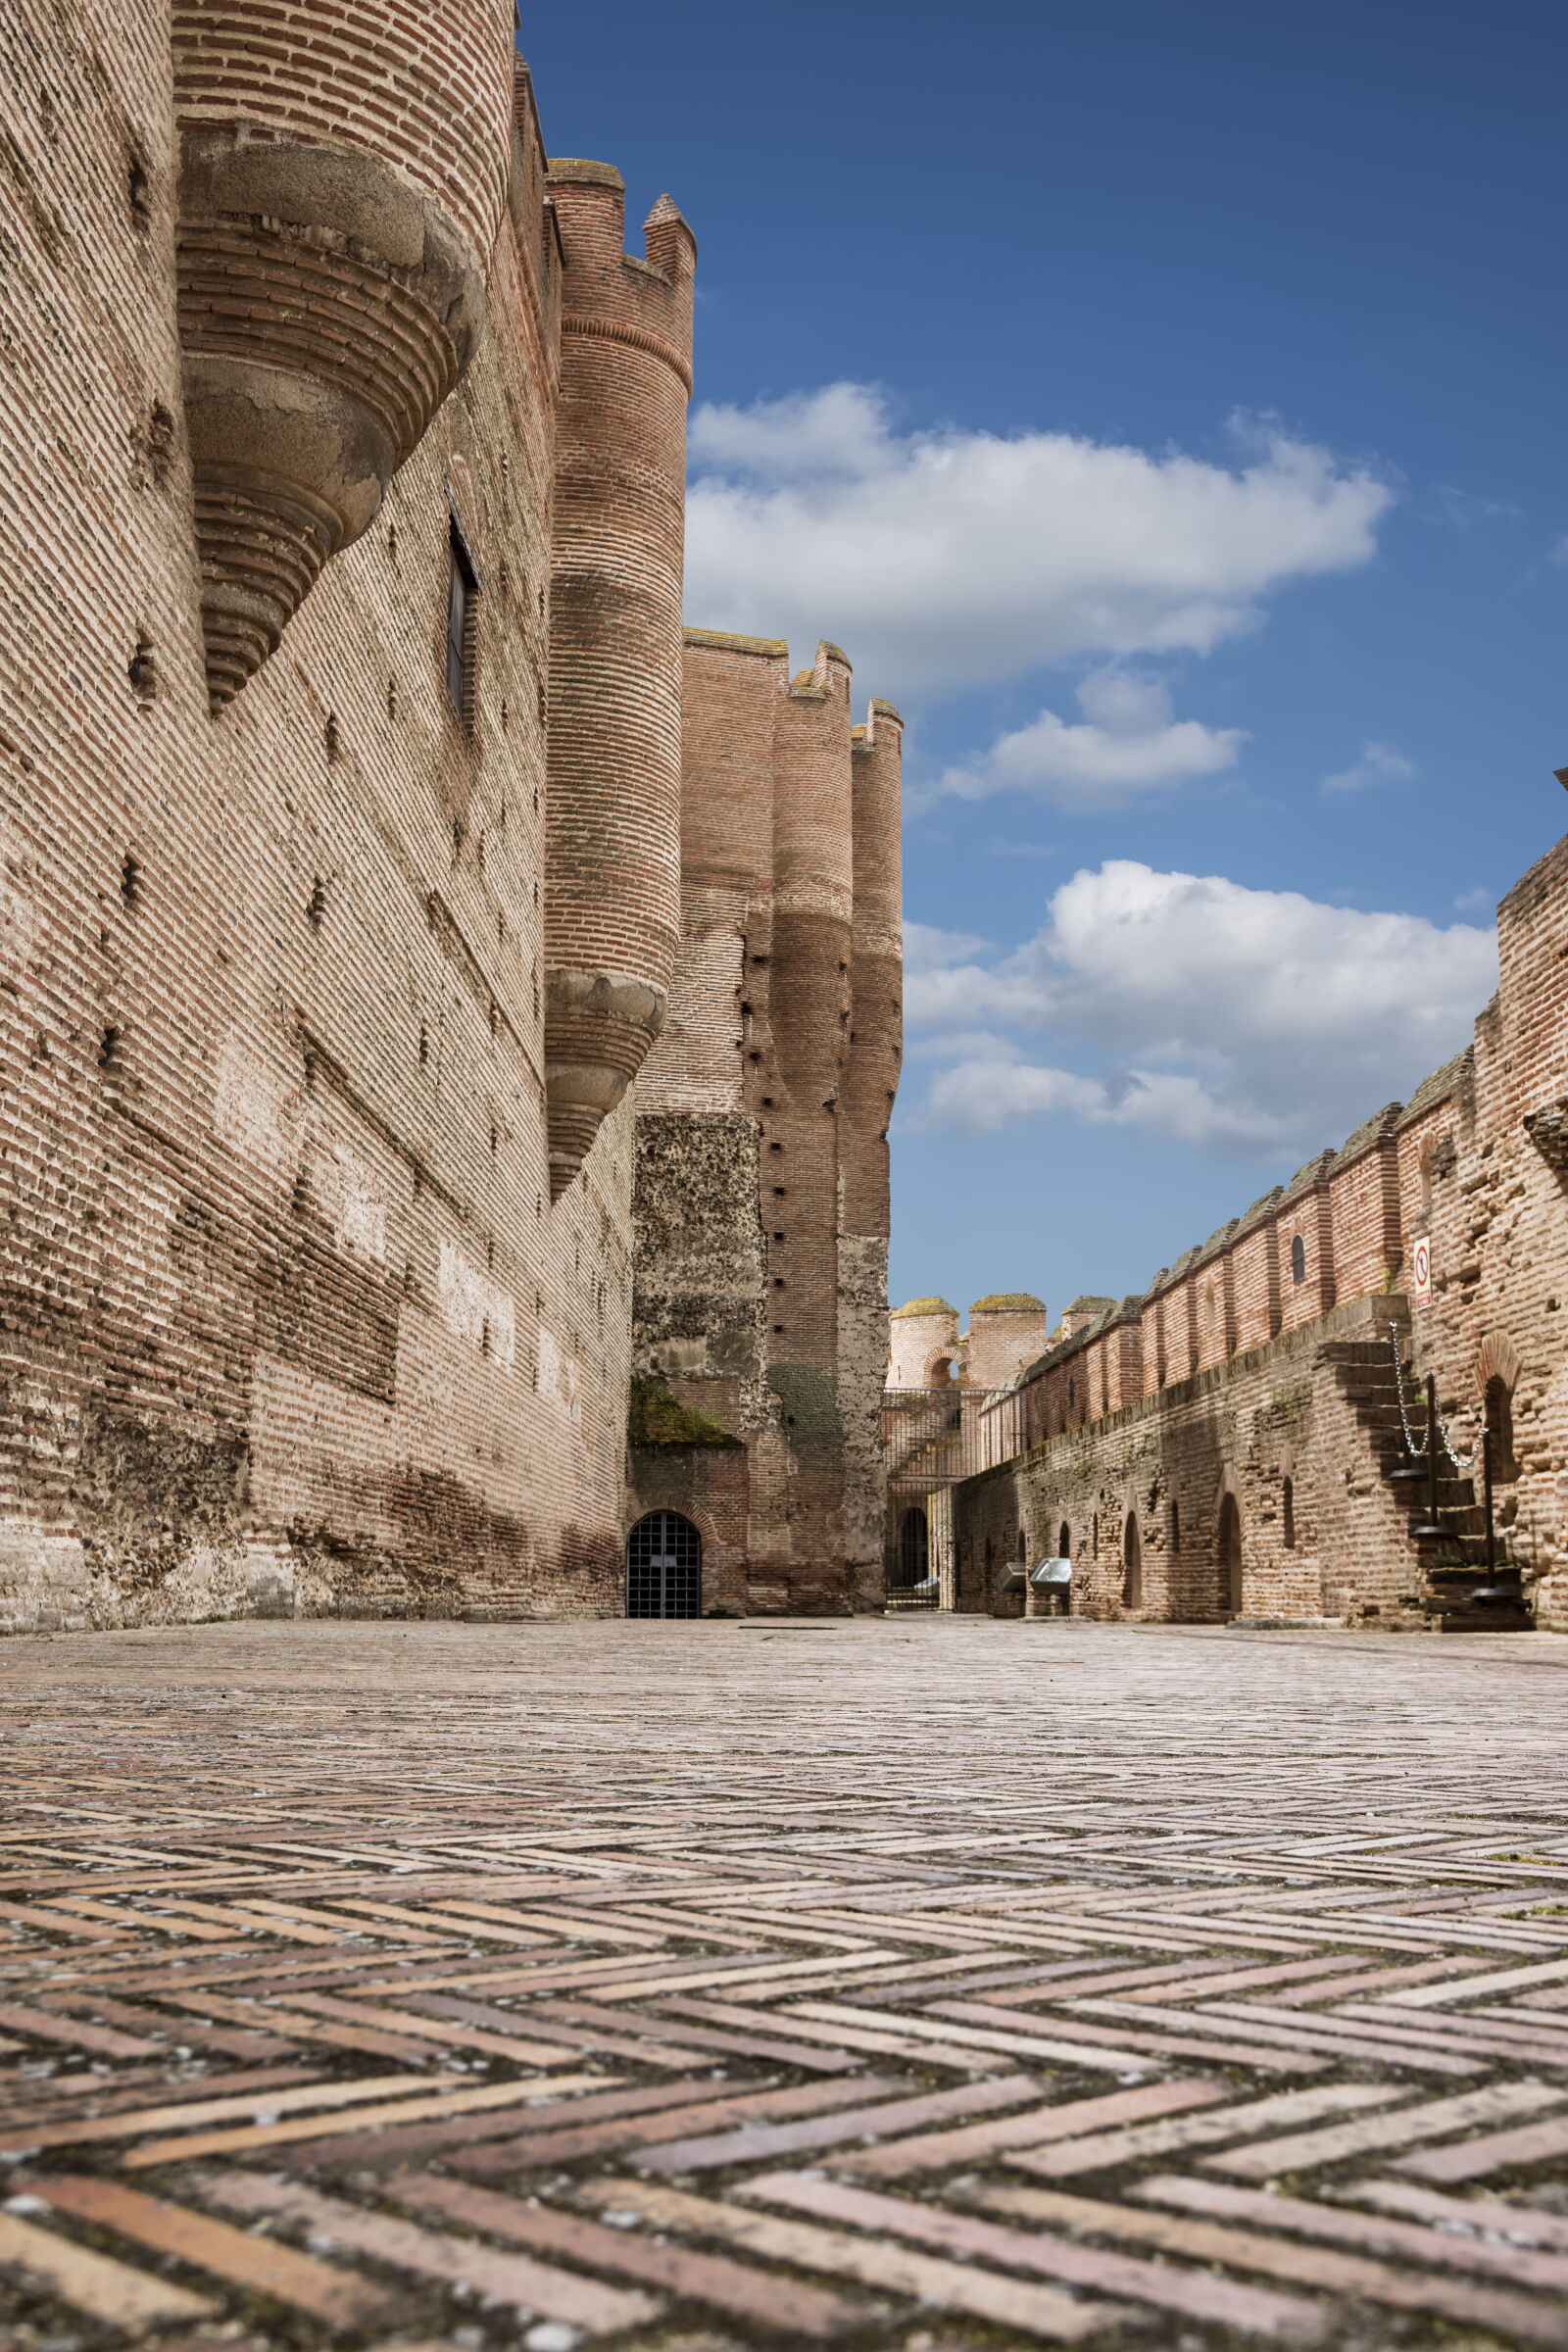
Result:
656,1419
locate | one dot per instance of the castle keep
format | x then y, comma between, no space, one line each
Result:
761,1184
1220,1446
342,897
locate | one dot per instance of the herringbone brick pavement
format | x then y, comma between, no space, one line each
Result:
884,1984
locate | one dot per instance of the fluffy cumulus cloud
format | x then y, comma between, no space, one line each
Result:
1128,742
946,559
1249,1022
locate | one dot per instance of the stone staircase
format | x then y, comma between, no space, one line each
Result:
1459,1597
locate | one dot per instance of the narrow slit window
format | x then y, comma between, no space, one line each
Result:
1298,1260
463,591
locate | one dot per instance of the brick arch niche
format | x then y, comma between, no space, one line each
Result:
1498,1368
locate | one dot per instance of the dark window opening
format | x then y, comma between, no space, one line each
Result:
1288,1506
1231,1594
1175,1527
1298,1260
462,595
1500,1422
1065,1543
915,1547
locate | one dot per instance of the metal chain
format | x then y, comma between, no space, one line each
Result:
1462,1463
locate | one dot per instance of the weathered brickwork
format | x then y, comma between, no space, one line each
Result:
612,917
1220,1446
309,1301
762,1111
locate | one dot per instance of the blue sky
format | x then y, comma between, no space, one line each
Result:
1165,406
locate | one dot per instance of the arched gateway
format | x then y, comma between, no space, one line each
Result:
663,1567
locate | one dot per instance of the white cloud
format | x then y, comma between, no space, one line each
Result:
1379,764
926,948
1129,742
1246,1021
949,559
1557,552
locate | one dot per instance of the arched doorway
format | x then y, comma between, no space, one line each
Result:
1230,1557
915,1547
663,1567
1132,1560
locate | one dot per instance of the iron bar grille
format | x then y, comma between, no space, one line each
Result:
663,1567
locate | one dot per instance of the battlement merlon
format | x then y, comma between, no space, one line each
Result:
872,737
723,641
649,302
821,683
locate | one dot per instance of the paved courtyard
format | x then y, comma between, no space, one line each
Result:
921,1983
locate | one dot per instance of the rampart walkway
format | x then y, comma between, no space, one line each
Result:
922,1985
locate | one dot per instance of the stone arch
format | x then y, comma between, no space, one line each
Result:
1498,1368
939,1371
1498,1358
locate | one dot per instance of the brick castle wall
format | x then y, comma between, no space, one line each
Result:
1230,1375
291,1321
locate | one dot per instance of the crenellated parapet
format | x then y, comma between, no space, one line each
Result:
612,882
332,258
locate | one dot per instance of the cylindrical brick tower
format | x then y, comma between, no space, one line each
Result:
813,880
341,185
924,1333
871,1082
1007,1330
876,973
613,841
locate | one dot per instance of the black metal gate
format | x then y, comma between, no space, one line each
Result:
663,1567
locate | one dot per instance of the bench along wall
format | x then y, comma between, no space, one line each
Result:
316,1009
